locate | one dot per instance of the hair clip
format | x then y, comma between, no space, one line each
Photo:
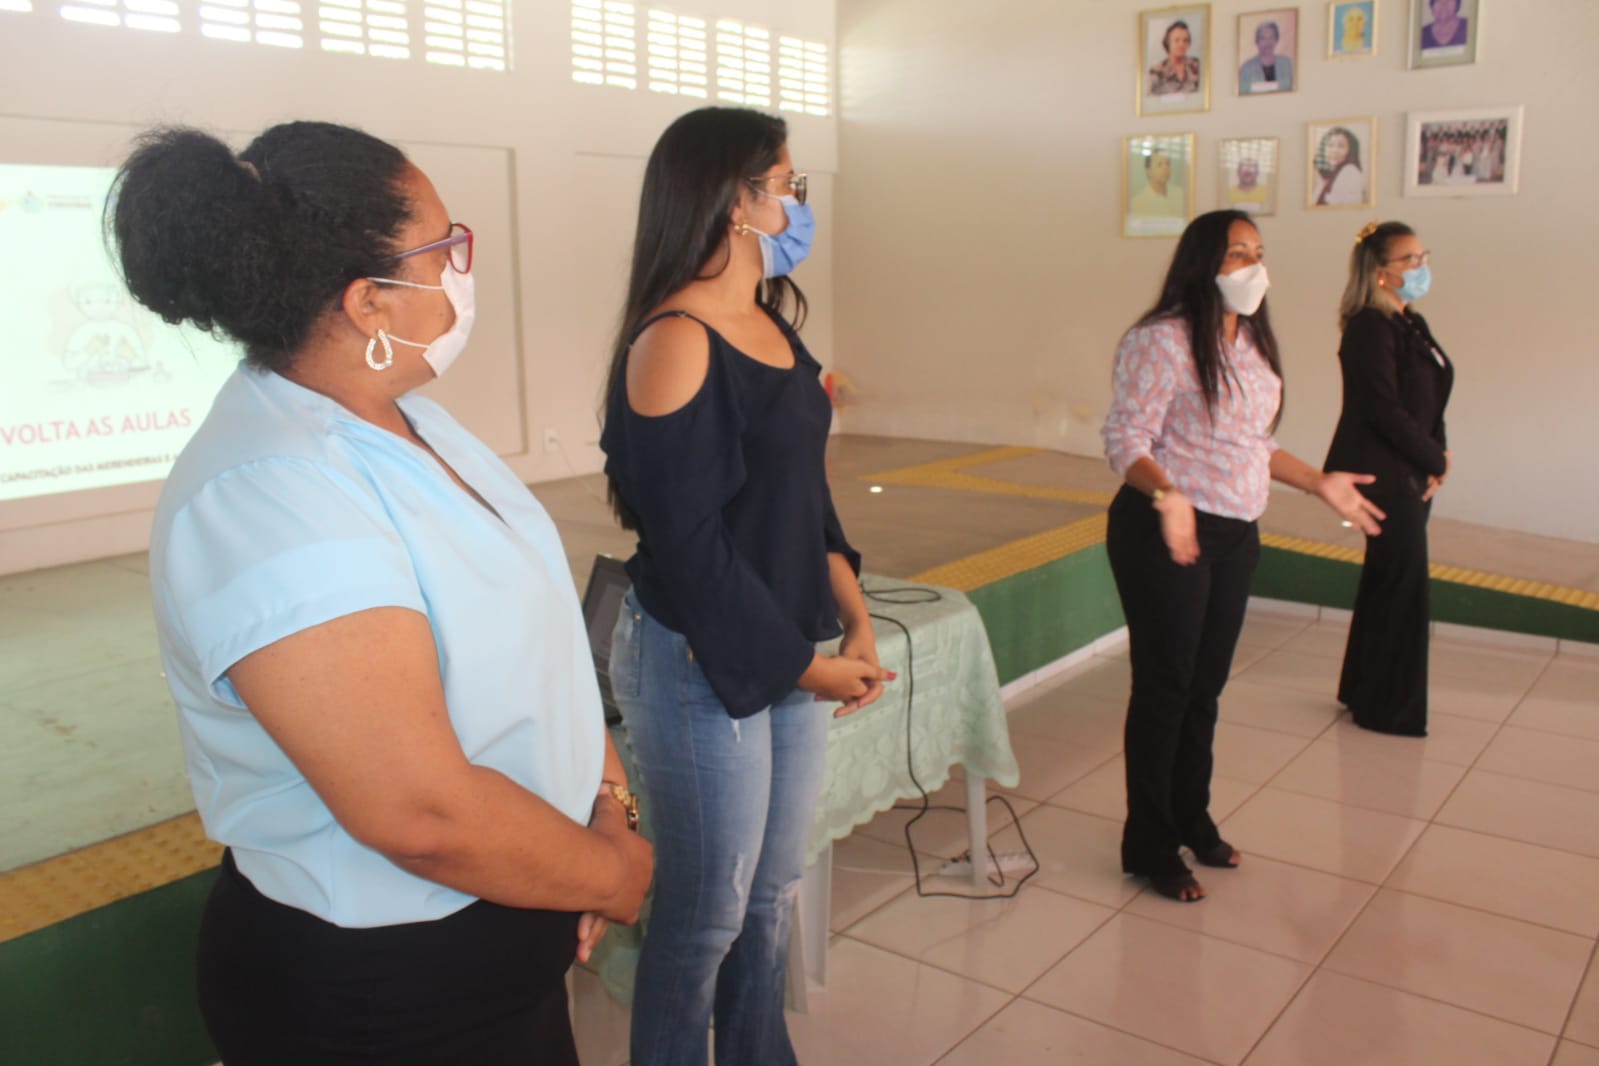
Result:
1366,231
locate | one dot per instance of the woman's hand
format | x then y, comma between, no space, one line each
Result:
860,642
1177,526
637,861
842,679
1337,490
590,928
1436,483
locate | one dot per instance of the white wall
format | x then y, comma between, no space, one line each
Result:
576,155
982,282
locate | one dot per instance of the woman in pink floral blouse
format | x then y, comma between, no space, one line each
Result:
1198,391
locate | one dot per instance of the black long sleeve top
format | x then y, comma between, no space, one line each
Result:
735,519
1397,381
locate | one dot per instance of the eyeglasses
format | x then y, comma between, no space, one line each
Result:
459,243
1416,259
796,183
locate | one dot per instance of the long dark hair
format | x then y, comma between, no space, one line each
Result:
258,245
1189,293
691,184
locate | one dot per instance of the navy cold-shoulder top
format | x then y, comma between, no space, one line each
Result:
735,518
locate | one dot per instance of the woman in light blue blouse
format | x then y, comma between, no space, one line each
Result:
386,698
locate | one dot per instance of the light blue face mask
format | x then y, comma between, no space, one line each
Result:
1417,282
782,252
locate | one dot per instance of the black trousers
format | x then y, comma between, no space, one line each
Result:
1384,679
485,986
1183,624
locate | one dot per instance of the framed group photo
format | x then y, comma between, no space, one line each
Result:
1248,177
1351,28
1443,33
1467,152
1157,184
1174,59
1343,159
1268,50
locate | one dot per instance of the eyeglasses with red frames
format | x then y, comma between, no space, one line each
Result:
796,183
459,244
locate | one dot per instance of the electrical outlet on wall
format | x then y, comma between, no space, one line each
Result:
552,439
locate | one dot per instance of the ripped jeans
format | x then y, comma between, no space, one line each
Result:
731,802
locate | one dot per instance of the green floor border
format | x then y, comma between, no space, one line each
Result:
1291,575
111,987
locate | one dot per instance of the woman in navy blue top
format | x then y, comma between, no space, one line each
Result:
715,433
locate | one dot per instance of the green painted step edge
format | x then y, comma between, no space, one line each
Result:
112,987
1289,575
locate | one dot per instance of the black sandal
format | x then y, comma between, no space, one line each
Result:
1223,855
1172,886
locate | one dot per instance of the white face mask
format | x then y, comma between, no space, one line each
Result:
461,291
1242,290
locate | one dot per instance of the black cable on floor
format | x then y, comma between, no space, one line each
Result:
904,597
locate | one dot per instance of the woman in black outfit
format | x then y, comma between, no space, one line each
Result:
1396,383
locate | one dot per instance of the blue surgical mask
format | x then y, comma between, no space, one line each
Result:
782,252
1417,282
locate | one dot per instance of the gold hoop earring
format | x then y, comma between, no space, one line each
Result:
388,352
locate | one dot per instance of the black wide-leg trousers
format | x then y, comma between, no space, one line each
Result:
1183,624
1384,678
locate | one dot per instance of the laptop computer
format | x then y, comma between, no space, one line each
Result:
602,603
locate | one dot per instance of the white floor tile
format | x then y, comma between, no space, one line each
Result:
1005,943
1387,781
1027,1032
1341,1021
1160,983
1507,969
881,1008
1531,811
1508,877
1286,910
1351,842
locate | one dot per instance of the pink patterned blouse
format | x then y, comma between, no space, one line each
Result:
1157,410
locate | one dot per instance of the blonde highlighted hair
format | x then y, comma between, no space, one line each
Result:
1371,250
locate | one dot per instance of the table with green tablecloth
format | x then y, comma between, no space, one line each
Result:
947,695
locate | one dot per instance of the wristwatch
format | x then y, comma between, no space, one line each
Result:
621,794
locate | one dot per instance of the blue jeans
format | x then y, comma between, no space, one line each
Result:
731,801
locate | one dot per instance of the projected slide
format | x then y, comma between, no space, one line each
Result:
97,391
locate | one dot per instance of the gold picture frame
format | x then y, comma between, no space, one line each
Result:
1157,197
1163,88
1351,29
1341,177
1249,71
1248,174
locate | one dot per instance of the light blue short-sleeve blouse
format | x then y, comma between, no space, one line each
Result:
286,511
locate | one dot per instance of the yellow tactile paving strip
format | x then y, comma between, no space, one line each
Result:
32,897
956,474
54,890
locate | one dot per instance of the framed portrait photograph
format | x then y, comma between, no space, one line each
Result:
1248,177
1174,59
1443,33
1343,161
1470,152
1268,51
1351,28
1157,184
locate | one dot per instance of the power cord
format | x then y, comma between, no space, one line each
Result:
906,596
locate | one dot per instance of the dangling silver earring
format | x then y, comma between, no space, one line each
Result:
388,352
